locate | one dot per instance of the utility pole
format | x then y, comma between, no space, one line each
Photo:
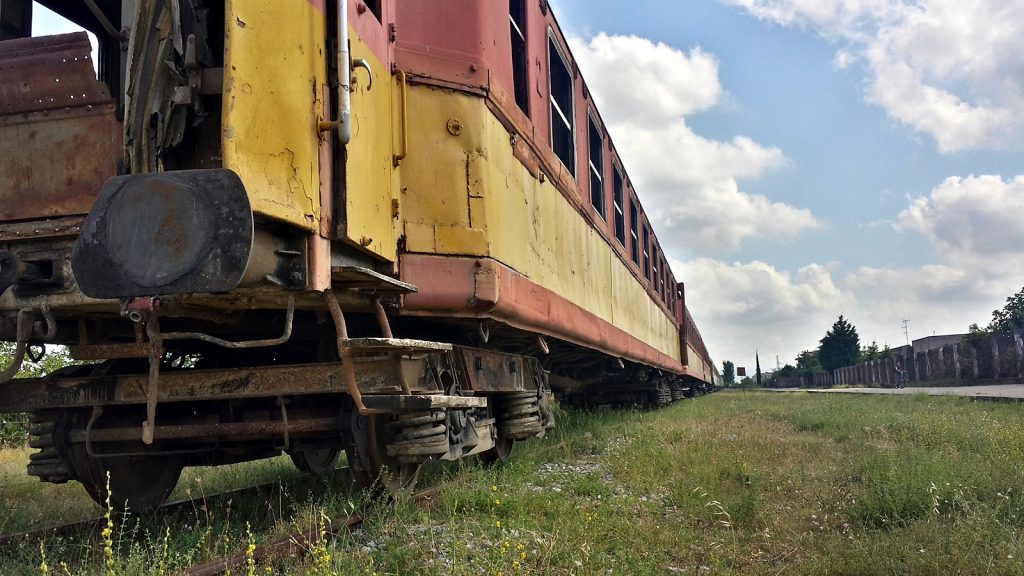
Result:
906,330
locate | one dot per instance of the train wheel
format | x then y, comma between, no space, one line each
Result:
501,453
138,483
140,479
315,461
368,457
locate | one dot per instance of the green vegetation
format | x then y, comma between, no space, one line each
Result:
1004,321
732,483
14,427
840,346
728,372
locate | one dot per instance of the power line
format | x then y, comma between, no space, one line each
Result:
906,330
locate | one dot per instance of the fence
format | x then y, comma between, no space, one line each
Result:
998,357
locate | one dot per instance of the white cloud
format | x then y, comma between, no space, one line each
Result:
976,221
952,69
975,227
936,298
742,306
688,183
648,82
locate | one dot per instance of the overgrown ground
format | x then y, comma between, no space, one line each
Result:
733,483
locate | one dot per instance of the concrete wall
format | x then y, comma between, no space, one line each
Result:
994,358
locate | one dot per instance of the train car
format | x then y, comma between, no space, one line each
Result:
389,228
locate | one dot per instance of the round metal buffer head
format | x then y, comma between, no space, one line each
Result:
165,233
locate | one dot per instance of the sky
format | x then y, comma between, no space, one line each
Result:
803,159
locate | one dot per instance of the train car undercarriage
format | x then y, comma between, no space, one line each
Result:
390,404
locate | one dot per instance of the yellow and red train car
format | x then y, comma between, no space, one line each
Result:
384,227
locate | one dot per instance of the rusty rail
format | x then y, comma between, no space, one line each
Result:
95,522
294,544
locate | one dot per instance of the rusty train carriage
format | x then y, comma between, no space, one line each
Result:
378,226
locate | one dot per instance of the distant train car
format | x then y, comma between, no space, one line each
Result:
389,228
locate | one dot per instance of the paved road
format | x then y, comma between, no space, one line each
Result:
999,392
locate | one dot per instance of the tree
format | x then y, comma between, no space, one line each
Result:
55,357
840,346
787,371
758,360
14,427
974,335
1011,317
728,372
869,353
807,362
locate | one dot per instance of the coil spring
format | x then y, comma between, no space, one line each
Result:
678,393
417,436
662,395
46,464
519,415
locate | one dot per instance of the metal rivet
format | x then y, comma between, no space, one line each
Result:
455,126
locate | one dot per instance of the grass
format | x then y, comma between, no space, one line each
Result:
733,483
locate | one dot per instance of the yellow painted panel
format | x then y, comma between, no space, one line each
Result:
274,74
473,181
457,240
434,172
369,185
419,237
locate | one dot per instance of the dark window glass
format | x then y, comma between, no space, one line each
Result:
517,27
647,254
596,169
563,139
374,6
654,269
620,216
635,244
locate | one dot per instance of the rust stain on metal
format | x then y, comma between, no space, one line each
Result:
377,375
59,137
55,228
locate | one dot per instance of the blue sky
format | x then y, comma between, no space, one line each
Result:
878,175
810,158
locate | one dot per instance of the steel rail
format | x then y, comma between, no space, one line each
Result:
96,521
297,544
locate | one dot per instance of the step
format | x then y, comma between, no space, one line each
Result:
364,279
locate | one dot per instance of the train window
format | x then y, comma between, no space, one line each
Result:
15,19
374,6
620,216
635,244
664,280
654,269
517,30
661,282
563,135
596,168
647,254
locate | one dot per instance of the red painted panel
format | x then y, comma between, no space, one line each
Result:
462,41
484,288
370,30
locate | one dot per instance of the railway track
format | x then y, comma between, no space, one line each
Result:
294,544
94,524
